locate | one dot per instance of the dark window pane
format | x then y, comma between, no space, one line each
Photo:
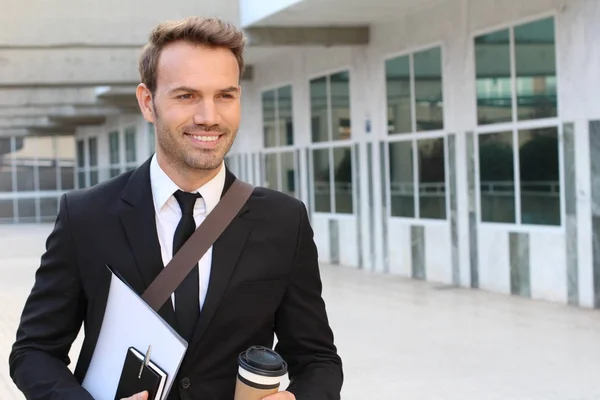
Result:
114,172
130,150
496,177
113,147
27,210
494,89
284,108
321,171
6,168
288,179
6,210
67,177
342,159
46,162
535,59
270,179
398,92
340,105
48,175
402,185
319,110
432,179
93,178
81,179
93,150
25,163
429,108
540,184
80,153
48,208
268,110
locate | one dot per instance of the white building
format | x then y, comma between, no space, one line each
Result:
455,141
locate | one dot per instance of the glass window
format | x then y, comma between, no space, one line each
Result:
47,163
93,150
288,173
6,168
6,211
534,74
268,110
497,177
114,153
540,184
432,179
536,70
25,163
81,154
321,175
26,210
319,110
494,89
429,109
48,208
342,160
270,180
402,186
339,89
285,125
65,153
398,92
427,105
130,145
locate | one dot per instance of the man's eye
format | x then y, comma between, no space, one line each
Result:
184,96
227,96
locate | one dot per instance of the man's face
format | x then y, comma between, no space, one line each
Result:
196,106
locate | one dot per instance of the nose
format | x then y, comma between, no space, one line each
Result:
206,113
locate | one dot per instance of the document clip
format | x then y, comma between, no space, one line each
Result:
145,362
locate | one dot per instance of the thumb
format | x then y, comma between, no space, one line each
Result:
141,396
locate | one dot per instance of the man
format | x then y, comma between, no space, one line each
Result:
261,276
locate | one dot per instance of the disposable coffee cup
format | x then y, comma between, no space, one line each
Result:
259,373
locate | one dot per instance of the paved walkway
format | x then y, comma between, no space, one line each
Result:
401,339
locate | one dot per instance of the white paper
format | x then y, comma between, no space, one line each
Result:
129,321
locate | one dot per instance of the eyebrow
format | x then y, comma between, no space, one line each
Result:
188,89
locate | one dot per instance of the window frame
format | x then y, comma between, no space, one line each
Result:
516,125
275,89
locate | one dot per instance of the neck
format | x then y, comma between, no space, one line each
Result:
188,179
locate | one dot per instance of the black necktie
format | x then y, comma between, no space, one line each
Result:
187,295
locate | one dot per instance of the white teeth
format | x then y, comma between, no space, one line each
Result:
205,138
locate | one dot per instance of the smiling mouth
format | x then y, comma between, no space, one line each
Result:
204,138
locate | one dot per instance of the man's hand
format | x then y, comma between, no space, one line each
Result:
142,396
281,396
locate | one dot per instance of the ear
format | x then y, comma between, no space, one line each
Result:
144,98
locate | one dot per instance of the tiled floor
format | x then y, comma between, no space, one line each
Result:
401,339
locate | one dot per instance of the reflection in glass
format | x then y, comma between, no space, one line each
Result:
322,191
342,160
6,168
402,186
6,211
429,108
25,164
340,105
130,150
268,111
26,210
398,92
284,109
432,179
540,185
496,177
288,179
319,110
494,90
48,209
270,180
535,59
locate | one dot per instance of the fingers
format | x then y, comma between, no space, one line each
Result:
138,396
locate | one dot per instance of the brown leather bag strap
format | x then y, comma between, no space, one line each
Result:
194,248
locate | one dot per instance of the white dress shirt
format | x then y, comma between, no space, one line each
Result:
168,214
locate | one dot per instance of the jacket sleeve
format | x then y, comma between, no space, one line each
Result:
50,321
305,339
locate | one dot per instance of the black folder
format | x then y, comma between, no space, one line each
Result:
152,378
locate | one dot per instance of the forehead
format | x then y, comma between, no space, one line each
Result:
200,67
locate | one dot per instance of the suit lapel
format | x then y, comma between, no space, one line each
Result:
226,251
139,222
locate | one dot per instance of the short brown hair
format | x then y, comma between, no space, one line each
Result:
211,32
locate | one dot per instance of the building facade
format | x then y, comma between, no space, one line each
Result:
460,144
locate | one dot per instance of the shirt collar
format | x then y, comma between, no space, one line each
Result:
163,187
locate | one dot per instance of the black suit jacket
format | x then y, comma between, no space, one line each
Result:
264,280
